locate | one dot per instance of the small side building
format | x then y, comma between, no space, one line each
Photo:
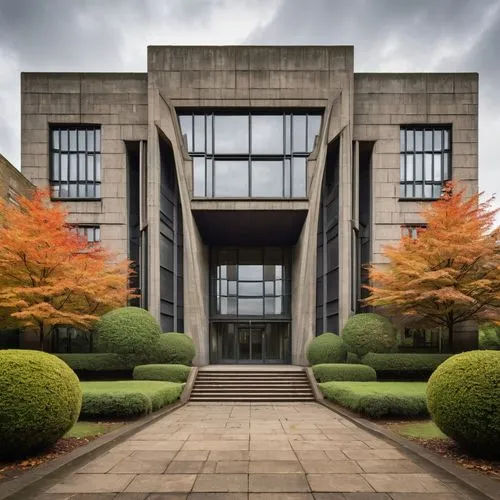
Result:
12,182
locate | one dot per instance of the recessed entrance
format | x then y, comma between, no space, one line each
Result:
249,342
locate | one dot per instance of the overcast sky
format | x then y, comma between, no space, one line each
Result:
388,35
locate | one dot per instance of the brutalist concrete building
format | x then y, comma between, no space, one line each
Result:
250,184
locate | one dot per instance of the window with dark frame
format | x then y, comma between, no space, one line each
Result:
412,230
250,282
250,154
425,161
92,233
75,164
70,339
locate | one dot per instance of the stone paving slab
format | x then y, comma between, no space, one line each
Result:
251,451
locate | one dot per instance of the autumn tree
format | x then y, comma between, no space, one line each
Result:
49,275
447,275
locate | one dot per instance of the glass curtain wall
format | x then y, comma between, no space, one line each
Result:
250,154
250,305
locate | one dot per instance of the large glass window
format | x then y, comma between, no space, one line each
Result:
424,161
69,339
75,170
256,155
250,282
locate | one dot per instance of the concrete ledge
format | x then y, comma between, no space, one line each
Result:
188,387
34,482
481,486
318,395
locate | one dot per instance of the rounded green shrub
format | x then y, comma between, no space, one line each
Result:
328,372
326,348
463,397
169,373
40,400
369,332
353,359
130,332
175,348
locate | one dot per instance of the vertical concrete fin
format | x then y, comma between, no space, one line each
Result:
304,260
195,253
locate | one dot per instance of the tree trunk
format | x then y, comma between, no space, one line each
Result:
450,337
42,336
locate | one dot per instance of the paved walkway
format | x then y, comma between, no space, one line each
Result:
257,452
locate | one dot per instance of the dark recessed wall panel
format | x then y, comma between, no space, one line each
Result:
171,268
327,275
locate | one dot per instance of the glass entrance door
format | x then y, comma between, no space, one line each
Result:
248,342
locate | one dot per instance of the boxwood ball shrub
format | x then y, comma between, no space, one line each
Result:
130,332
369,332
169,373
463,397
340,371
175,348
326,348
40,400
353,359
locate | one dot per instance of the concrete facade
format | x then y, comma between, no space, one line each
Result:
12,182
358,109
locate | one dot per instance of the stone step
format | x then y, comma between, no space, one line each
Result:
252,385
252,399
246,386
252,380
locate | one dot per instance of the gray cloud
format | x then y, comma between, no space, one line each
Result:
388,35
395,35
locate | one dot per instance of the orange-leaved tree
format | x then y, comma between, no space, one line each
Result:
447,275
49,275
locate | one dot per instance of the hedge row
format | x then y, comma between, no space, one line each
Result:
169,373
379,399
345,372
96,362
401,364
126,399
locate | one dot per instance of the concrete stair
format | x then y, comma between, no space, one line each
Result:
252,385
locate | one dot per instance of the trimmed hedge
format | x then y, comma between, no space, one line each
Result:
126,399
174,348
379,399
326,348
115,405
332,371
463,396
96,362
369,332
130,332
404,364
40,400
169,373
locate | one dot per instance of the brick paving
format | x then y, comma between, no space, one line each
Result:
300,451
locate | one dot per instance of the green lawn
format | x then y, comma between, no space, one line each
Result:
422,430
379,399
90,429
126,398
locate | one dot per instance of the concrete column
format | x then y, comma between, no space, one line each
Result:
196,261
304,260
